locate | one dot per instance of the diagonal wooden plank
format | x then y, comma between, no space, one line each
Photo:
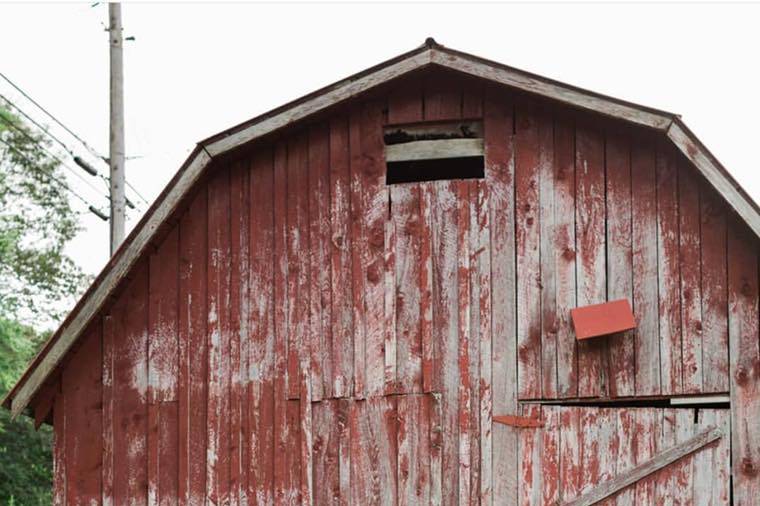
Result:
643,470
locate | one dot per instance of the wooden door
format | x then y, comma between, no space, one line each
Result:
624,456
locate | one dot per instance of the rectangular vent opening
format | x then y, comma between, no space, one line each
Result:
434,152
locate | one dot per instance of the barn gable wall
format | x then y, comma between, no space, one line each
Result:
305,331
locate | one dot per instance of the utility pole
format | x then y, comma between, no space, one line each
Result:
116,143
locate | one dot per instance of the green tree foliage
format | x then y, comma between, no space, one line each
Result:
37,280
36,222
25,454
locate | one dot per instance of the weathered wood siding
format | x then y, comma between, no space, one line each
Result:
305,334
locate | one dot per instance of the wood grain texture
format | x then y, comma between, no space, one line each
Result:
668,274
644,240
530,128
743,330
500,176
593,358
622,372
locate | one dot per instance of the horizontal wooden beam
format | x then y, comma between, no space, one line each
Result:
641,471
433,150
693,400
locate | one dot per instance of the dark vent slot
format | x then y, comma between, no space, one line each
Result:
409,171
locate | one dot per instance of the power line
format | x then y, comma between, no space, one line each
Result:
42,146
67,149
94,209
89,148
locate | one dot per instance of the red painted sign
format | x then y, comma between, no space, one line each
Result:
602,319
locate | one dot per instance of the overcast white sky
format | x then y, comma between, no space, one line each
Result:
196,69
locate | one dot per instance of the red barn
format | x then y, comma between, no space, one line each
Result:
386,292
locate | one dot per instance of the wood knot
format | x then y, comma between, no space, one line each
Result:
377,237
748,467
746,289
373,272
568,254
741,375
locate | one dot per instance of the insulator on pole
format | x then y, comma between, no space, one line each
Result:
86,166
97,212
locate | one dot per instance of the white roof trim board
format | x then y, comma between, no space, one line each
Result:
430,54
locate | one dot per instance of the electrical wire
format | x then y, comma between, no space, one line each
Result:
67,129
94,209
43,147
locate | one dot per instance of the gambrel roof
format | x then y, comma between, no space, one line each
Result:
430,55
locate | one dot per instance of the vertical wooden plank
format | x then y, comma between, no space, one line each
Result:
239,339
163,372
627,438
82,389
405,212
668,274
442,99
531,460
390,295
691,277
472,100
298,254
590,426
307,441
499,172
714,290
547,252
683,469
665,480
426,286
644,240
745,356
476,248
262,332
647,428
281,328
591,242
530,128
703,462
462,195
482,337
550,455
436,449
108,402
358,251
712,465
326,433
217,459
564,255
445,329
319,239
193,359
405,104
570,452
340,259
375,215
622,372
59,450
130,426
344,451
291,491
373,451
413,471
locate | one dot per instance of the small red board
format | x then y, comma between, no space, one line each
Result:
602,319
